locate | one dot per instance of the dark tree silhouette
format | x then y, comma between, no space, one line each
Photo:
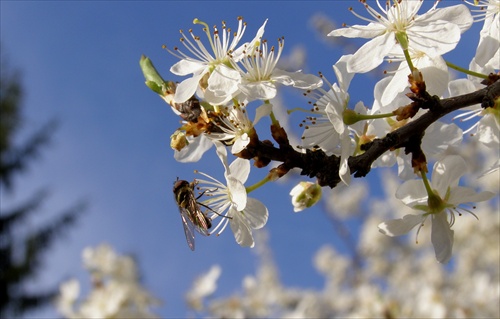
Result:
21,253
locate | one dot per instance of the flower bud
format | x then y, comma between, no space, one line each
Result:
304,195
178,140
154,81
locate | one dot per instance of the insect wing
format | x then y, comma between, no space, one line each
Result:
188,227
198,219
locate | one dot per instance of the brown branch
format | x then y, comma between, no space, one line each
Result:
315,163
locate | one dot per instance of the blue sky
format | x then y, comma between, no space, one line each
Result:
79,62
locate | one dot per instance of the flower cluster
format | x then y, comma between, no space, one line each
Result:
116,291
379,277
233,84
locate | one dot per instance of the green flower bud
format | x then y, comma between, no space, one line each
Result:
304,195
154,81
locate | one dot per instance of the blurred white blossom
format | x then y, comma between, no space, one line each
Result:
116,291
204,286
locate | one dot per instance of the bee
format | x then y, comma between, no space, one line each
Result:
189,208
190,110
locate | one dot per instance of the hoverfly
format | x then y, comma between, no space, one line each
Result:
189,208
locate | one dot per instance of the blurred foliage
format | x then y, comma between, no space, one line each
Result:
22,250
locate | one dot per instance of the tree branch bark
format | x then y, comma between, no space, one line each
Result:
315,163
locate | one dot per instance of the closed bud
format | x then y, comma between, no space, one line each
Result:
304,195
178,140
154,81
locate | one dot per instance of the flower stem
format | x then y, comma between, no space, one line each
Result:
274,120
427,185
257,185
408,59
374,116
402,38
466,71
350,117
434,202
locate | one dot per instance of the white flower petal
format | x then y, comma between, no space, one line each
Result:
240,143
447,172
488,131
70,290
242,232
460,195
240,169
185,67
222,85
412,193
346,149
256,213
460,86
371,54
334,111
440,136
221,153
262,111
401,226
488,50
397,84
297,79
343,76
447,33
435,72
458,14
187,88
238,193
321,135
441,237
262,90
241,51
369,31
194,150
204,285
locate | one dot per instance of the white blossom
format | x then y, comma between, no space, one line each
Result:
212,62
435,32
235,126
433,68
488,49
229,201
259,74
447,196
204,286
327,129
